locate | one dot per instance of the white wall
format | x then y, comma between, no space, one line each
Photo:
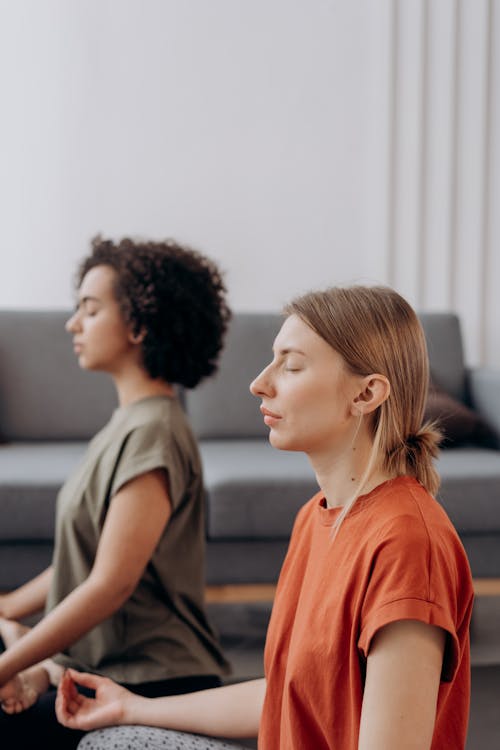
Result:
300,142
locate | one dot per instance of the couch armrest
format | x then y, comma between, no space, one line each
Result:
484,385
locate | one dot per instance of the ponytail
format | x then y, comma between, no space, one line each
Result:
415,456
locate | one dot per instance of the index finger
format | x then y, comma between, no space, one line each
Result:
68,698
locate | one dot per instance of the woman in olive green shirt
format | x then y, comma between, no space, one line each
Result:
124,594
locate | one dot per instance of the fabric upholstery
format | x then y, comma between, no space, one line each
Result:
260,496
30,477
484,387
470,489
43,393
458,423
483,551
444,344
268,497
244,560
222,407
21,560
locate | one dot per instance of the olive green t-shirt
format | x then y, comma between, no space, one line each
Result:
161,631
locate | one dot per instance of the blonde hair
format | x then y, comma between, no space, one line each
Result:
376,331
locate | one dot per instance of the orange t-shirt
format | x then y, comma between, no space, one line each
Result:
395,557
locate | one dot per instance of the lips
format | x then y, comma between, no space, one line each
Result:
268,413
270,418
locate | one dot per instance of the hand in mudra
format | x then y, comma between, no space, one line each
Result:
78,711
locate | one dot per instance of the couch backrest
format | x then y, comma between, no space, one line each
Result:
45,396
222,407
446,356
43,393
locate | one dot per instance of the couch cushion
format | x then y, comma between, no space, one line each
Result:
470,489
30,477
253,490
232,561
43,393
444,343
22,561
261,494
483,551
223,406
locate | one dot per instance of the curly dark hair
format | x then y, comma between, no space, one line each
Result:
176,296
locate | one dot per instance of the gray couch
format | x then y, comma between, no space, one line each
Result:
49,409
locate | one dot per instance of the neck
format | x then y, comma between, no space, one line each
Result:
340,471
134,384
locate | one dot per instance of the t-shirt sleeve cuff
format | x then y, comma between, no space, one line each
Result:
132,470
422,611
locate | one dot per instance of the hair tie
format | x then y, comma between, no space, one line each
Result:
413,441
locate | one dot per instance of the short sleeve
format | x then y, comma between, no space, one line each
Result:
146,448
413,578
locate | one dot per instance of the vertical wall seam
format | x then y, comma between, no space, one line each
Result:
392,136
485,229
454,170
422,177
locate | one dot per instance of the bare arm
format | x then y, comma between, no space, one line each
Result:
27,599
402,682
230,711
127,543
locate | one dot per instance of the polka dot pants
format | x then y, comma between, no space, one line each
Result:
150,738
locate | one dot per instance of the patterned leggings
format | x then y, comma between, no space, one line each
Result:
138,738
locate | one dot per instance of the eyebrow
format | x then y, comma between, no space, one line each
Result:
291,350
87,298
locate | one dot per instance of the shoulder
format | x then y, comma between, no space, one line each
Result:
158,420
153,430
412,526
152,412
405,505
154,434
414,562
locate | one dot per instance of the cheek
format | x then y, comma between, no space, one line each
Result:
317,399
327,405
111,334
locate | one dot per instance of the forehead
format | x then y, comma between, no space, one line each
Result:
295,335
98,282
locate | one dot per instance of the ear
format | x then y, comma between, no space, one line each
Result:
375,389
137,338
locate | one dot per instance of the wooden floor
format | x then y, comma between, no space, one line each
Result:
487,586
243,592
264,592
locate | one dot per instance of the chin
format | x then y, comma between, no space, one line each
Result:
82,364
85,364
280,442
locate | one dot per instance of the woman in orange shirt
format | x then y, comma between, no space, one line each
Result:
368,643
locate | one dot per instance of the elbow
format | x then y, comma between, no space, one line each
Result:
112,593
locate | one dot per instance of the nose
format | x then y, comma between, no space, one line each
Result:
73,323
262,385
